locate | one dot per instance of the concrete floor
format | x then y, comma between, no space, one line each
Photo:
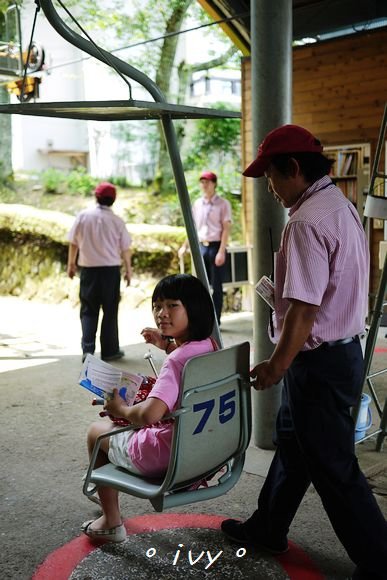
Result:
45,415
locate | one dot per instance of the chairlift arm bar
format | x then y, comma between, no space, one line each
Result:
372,375
216,384
374,396
110,434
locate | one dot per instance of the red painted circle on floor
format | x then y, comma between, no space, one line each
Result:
61,563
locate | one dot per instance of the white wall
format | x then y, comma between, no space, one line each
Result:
34,135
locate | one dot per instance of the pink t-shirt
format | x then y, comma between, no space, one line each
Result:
149,448
101,237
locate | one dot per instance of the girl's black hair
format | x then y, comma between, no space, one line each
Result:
313,166
196,300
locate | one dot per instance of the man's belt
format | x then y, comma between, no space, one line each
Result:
206,244
340,341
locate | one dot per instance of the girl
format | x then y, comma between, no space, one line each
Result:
184,314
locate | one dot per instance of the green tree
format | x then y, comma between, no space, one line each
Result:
213,138
148,19
215,145
163,76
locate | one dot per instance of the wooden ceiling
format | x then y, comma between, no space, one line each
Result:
311,18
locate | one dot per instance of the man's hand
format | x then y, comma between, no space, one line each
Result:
72,260
265,375
181,251
298,323
127,278
220,258
71,270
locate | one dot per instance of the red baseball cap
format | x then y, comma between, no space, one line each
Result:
209,175
284,139
105,189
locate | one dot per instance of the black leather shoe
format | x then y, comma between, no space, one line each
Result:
114,356
236,532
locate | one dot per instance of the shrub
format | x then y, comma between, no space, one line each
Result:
119,181
80,182
53,180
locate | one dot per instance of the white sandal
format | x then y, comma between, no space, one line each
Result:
116,534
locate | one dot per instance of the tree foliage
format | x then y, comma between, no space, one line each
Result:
4,4
116,24
213,137
98,17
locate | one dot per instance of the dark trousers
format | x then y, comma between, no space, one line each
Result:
315,444
100,288
215,275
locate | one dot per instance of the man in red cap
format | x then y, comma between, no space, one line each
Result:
320,305
212,215
101,242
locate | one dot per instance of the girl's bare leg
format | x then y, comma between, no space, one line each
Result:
111,516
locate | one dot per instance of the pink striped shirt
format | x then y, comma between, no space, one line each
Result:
323,260
210,216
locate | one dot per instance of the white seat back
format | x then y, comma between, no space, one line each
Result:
214,425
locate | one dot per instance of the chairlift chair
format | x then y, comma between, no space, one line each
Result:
212,429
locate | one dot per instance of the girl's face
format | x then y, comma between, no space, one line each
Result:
171,319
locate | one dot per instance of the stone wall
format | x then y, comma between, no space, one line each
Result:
33,253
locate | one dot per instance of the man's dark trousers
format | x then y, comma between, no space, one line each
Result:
100,288
215,274
315,444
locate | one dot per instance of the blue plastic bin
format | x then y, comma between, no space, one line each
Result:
364,420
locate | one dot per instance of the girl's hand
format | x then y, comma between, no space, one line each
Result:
116,406
154,336
145,413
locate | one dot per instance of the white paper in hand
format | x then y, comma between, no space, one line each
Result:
265,288
101,378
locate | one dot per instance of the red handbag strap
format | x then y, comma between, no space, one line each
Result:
214,343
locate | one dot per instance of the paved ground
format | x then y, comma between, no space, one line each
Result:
45,415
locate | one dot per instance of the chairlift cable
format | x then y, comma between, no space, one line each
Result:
154,39
104,56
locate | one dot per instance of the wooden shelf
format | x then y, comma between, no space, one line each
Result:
339,177
350,170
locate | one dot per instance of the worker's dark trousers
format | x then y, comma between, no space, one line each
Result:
215,275
315,443
100,288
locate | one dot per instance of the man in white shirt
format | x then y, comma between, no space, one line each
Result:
101,242
212,215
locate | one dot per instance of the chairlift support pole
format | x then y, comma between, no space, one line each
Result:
168,128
